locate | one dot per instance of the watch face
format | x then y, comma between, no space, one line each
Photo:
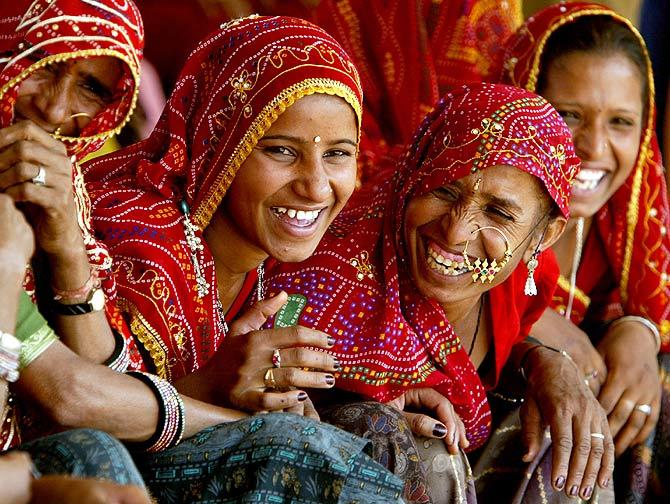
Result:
97,301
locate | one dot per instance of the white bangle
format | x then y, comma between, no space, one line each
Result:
10,351
645,322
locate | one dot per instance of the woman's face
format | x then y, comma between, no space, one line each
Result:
50,96
600,98
297,179
439,223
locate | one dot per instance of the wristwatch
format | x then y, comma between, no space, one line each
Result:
94,303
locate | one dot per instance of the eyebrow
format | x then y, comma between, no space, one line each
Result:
303,141
504,202
573,104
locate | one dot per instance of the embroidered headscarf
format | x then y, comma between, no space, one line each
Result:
628,241
236,83
410,53
357,286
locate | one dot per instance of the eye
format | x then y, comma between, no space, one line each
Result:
278,151
338,155
95,91
569,116
446,193
621,121
499,213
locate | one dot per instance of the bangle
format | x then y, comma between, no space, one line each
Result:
82,292
645,322
524,357
10,355
120,359
171,414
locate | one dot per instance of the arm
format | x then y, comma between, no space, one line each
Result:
16,477
51,209
77,393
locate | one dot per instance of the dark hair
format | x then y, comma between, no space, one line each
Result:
600,34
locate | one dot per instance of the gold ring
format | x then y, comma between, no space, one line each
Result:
269,379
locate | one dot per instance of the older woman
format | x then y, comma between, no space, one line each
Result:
254,156
419,283
615,254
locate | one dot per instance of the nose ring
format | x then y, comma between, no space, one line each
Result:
57,133
481,269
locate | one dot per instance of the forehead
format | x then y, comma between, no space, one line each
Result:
509,183
331,114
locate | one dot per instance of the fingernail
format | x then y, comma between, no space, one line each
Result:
439,431
337,364
606,482
330,380
560,482
331,341
453,437
573,490
587,492
302,396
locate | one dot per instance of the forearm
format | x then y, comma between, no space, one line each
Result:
76,393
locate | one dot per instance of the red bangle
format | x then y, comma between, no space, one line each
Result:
82,292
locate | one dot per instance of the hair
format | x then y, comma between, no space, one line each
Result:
599,34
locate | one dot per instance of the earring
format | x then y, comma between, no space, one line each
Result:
482,270
530,289
478,182
195,245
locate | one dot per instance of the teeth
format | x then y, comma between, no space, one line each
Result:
291,213
587,174
303,215
445,266
280,210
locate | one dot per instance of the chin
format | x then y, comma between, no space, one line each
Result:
293,254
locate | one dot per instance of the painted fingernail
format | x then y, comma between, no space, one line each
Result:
573,490
330,380
302,396
587,492
560,482
337,364
439,431
331,341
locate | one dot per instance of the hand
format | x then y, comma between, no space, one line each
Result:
16,237
633,379
24,148
68,490
447,426
240,365
556,331
16,477
557,396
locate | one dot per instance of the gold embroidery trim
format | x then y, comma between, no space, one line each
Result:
564,284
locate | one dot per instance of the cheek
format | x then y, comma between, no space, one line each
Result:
626,153
343,182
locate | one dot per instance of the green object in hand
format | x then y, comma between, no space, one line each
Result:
289,314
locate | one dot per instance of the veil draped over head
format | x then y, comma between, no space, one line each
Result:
357,286
629,241
235,84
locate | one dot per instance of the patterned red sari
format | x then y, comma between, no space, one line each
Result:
357,286
626,258
235,84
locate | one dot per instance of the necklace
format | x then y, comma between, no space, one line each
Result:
479,318
579,243
223,325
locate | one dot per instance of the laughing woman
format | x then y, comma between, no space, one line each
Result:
592,65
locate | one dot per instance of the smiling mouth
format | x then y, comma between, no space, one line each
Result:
588,180
444,266
298,218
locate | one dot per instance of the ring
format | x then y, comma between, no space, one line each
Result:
644,408
41,177
276,358
269,379
591,375
597,435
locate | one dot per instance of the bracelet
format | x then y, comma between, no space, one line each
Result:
10,355
171,414
645,322
524,357
82,292
120,358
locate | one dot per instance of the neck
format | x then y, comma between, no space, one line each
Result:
461,314
234,256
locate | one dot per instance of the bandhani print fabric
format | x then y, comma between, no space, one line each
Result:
357,287
233,87
635,250
34,34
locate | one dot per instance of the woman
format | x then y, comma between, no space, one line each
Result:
253,157
423,298
615,253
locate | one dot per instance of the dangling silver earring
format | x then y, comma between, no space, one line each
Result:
530,288
195,245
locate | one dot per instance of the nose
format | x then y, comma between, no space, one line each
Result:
591,141
312,181
54,104
458,225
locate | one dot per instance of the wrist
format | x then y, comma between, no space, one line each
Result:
650,328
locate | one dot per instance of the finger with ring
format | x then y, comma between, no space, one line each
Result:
644,408
269,379
41,177
276,358
597,435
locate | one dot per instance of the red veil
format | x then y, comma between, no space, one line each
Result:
235,84
357,288
624,266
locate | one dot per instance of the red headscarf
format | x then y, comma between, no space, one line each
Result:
635,250
410,53
357,286
233,87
